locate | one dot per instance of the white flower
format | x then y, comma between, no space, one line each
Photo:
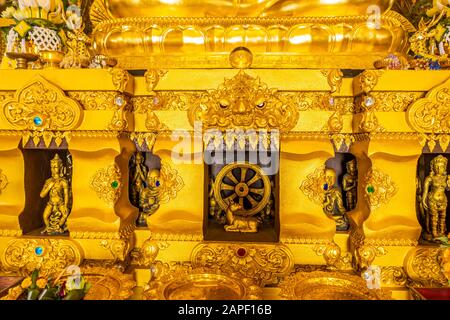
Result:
20,14
75,282
74,22
8,13
45,4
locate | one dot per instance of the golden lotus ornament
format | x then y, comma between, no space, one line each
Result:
187,283
321,285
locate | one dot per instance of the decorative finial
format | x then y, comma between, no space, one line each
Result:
241,58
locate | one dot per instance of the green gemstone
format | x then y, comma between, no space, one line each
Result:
370,189
115,184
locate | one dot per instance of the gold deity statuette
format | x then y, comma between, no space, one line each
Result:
434,200
333,205
57,189
149,197
138,177
349,184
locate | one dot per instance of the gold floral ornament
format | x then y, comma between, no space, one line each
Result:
313,186
120,78
379,188
244,102
264,263
185,282
41,105
432,113
152,77
170,182
106,183
47,255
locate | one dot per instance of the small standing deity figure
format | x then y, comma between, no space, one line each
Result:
349,184
57,188
138,178
434,200
149,198
333,206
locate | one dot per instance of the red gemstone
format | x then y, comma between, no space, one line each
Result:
241,252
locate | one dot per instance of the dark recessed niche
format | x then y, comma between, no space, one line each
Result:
37,171
242,183
143,183
346,183
424,218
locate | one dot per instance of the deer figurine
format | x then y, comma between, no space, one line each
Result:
237,223
420,38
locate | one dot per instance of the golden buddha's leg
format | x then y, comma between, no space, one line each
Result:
46,216
442,225
434,223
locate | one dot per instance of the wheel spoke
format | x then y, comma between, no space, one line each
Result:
234,195
243,174
257,191
226,186
253,180
252,201
241,202
230,176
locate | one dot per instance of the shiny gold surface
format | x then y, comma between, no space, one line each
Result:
250,8
187,283
318,285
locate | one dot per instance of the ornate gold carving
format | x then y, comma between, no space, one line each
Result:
262,262
368,253
368,80
94,100
379,188
47,137
118,248
431,141
107,184
10,233
152,77
320,285
393,276
388,101
391,242
342,140
334,77
184,282
6,95
335,122
241,183
119,121
144,140
332,254
244,102
107,284
171,182
147,253
431,114
290,240
423,265
41,105
152,123
312,186
120,78
95,235
177,236
25,255
3,181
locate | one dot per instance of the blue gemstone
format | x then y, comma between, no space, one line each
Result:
38,251
157,183
37,121
325,186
